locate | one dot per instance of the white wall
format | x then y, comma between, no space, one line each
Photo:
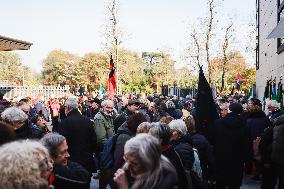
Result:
270,63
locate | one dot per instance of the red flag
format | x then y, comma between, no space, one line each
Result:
111,88
239,80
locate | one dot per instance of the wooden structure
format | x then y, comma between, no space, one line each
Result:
10,44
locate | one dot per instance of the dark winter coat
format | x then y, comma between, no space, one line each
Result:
169,152
36,132
81,139
71,176
168,180
255,124
23,132
185,151
205,154
278,141
172,112
120,142
229,144
91,112
119,120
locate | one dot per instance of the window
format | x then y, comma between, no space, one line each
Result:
257,34
280,16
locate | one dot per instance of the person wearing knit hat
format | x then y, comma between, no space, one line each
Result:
94,108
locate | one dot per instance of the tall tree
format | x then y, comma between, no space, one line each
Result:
225,48
30,77
236,64
58,68
209,26
161,67
184,77
113,37
92,70
10,66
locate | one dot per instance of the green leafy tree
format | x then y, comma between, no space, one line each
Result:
30,77
160,69
236,64
185,78
58,68
92,70
10,66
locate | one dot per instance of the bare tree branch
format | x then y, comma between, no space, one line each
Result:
225,54
208,37
196,42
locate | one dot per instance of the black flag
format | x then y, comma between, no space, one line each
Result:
206,111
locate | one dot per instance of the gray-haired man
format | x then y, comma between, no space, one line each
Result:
66,174
80,135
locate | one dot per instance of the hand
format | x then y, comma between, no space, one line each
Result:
120,179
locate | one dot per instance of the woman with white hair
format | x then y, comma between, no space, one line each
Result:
25,165
147,167
181,143
18,121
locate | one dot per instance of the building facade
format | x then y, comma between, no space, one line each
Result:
269,52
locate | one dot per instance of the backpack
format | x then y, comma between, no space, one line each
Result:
196,164
106,157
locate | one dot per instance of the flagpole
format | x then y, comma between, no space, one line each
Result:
118,87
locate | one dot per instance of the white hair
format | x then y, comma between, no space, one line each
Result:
146,150
224,105
72,102
13,114
272,103
21,165
107,102
170,104
178,125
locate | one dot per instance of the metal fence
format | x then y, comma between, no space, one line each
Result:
46,92
182,92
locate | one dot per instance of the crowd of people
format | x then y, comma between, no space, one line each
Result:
139,142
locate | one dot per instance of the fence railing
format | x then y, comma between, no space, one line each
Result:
46,92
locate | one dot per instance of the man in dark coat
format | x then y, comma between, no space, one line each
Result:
132,107
66,174
80,135
95,105
229,144
256,123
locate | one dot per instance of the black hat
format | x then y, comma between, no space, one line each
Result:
134,101
96,100
236,108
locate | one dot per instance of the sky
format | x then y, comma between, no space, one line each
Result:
78,26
